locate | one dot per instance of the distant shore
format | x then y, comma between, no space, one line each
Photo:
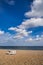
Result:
22,47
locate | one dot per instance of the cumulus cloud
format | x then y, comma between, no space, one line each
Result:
33,22
36,9
19,30
21,33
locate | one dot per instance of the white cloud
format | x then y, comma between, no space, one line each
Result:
12,28
33,22
18,36
36,9
30,32
37,38
1,32
21,33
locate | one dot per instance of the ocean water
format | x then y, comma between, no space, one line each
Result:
22,47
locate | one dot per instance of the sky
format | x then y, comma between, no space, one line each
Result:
21,22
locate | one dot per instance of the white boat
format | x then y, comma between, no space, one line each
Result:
11,52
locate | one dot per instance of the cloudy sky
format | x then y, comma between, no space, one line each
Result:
21,22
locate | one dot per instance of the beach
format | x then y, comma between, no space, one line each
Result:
22,57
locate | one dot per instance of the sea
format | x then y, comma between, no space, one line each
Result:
22,47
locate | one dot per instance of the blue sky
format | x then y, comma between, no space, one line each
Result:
13,15
21,22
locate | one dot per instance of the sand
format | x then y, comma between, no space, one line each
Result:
22,57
